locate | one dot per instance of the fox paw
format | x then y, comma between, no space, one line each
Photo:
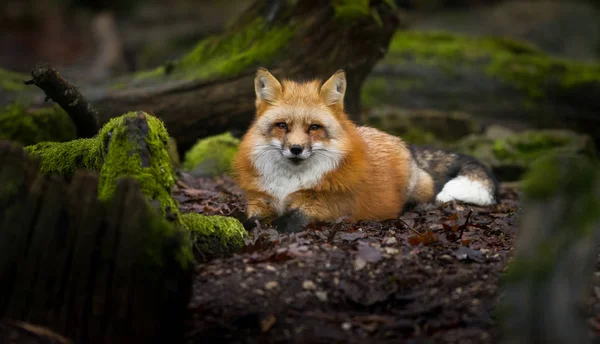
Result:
250,223
291,222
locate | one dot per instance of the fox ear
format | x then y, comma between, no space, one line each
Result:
266,86
334,89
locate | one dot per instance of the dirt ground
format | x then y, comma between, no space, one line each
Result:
430,276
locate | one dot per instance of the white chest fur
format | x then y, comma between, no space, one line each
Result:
279,177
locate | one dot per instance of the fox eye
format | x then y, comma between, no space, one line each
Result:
314,127
281,125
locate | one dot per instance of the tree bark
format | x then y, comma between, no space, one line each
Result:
89,270
556,252
321,45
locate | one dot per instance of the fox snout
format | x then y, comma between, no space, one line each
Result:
296,151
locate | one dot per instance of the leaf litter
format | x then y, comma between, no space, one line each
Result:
430,275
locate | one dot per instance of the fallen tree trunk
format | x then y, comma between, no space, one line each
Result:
210,90
496,80
319,43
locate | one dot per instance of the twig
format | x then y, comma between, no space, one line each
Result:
68,97
182,185
464,225
409,227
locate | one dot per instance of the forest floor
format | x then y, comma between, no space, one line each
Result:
431,276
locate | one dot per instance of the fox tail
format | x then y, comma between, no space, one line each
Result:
456,176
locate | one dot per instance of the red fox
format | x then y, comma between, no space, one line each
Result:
304,160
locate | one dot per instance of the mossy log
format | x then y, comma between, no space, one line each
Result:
136,145
494,79
556,252
210,90
92,270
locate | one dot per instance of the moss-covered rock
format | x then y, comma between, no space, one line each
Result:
32,126
211,156
511,154
214,235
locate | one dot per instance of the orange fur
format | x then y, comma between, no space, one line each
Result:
370,180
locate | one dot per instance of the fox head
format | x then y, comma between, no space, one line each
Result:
300,124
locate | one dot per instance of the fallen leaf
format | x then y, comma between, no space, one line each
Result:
426,238
368,253
351,236
321,295
359,263
391,250
463,253
267,322
389,241
309,285
271,285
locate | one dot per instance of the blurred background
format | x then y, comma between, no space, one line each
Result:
499,110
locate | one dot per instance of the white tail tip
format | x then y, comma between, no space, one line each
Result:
466,190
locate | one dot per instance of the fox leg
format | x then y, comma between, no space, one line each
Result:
258,207
308,206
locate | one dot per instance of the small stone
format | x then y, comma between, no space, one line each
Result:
270,268
390,241
359,263
597,291
249,269
346,326
271,285
391,251
446,258
308,285
321,295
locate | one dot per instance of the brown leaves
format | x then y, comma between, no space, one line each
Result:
426,238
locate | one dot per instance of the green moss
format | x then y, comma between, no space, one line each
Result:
518,63
568,186
174,153
215,235
123,159
115,153
422,126
64,158
526,146
212,156
547,175
12,81
229,53
32,126
351,9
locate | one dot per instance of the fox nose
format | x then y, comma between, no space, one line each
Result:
296,149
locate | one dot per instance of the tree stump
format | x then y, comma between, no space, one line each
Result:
555,254
93,271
